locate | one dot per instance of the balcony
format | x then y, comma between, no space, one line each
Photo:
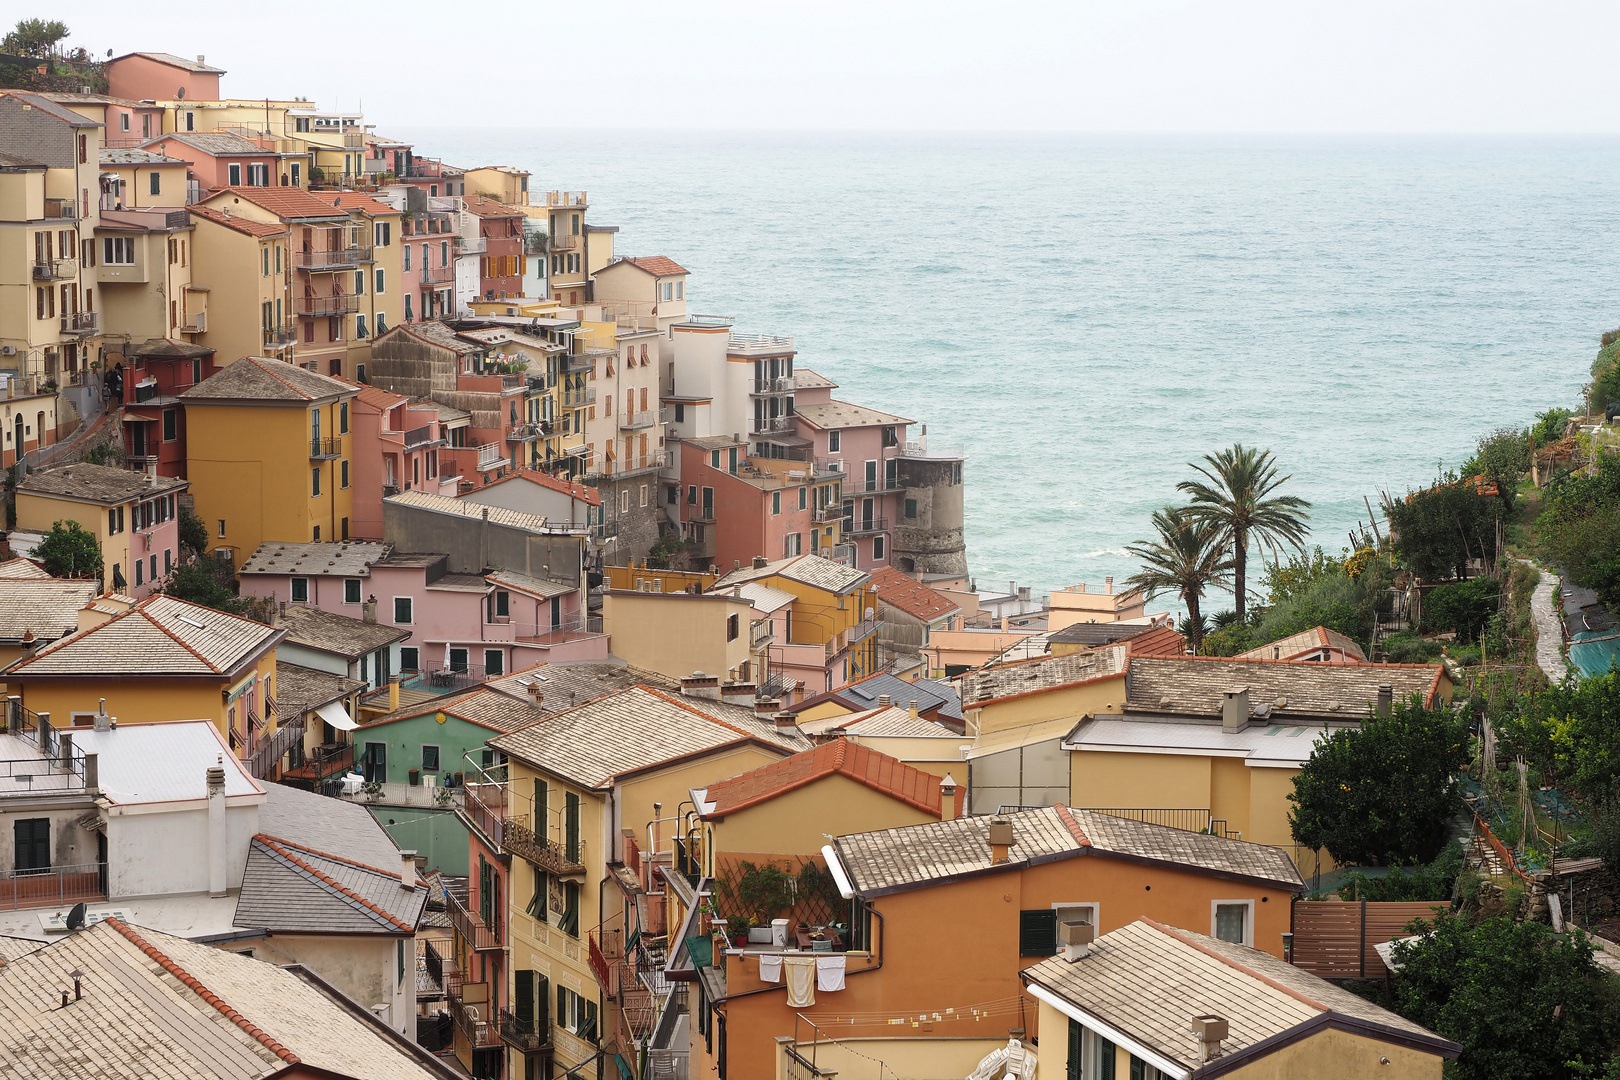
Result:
325,449
522,433
542,851
82,322
577,362
195,323
771,425
263,761
522,1035
438,275
631,466
336,259
571,628
761,633
785,384
475,245
566,242
279,337
490,457
421,437
565,198
58,886
470,926
56,269
827,515
576,399
758,345
865,526
637,421
318,306
603,531
469,1004
62,209
861,631
537,383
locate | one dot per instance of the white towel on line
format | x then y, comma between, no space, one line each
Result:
830,972
770,969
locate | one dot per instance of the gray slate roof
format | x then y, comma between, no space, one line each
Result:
927,693
158,637
638,729
805,569
444,504
339,634
1149,981
288,889
1047,673
349,558
344,829
217,143
1098,633
300,689
44,606
97,483
915,856
1195,686
564,686
843,414
254,378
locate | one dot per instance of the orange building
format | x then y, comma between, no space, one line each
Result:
944,916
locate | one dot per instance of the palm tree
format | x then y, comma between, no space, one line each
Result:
1188,557
1236,497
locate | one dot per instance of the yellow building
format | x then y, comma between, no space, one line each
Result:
589,790
268,456
1076,604
162,659
134,518
246,266
678,634
136,179
143,262
50,206
577,249
1235,1011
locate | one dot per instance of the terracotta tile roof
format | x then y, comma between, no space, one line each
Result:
535,476
287,203
916,856
498,515
1150,980
1196,686
1306,641
161,636
97,483
909,595
656,265
484,206
254,378
355,200
1160,641
237,222
840,757
377,397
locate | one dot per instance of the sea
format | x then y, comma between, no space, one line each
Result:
1085,315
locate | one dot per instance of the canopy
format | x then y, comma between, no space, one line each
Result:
335,714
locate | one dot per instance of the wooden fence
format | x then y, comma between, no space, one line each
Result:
1335,939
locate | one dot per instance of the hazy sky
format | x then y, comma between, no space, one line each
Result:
1233,66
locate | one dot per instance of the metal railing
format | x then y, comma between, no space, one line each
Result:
475,245
565,242
565,198
776,686
566,629
316,306
490,457
81,322
771,425
631,466
325,448
862,630
55,886
864,526
636,421
784,384
574,399
419,436
1189,819
826,515
473,1018
748,343
479,937
603,530
55,269
521,1034
437,275
276,337
542,851
761,632
264,760
332,259
578,362
523,433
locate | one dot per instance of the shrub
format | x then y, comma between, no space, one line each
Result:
1434,881
1407,648
70,550
1464,607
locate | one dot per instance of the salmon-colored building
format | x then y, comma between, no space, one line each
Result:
161,76
944,915
396,448
501,267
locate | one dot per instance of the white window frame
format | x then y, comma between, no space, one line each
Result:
411,600
1248,918
292,590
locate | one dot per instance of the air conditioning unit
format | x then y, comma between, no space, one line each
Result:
8,350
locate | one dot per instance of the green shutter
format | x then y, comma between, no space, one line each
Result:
523,995
571,826
1105,1059
587,1030
1077,1036
542,1002
1138,1068
541,821
1037,933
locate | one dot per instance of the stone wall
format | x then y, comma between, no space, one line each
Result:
933,542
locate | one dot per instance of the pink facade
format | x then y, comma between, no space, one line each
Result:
428,263
216,171
130,123
869,456
160,77
396,448
153,377
747,518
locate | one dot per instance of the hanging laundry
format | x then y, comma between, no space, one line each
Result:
799,972
770,969
830,972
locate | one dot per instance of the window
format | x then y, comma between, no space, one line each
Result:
1037,933
191,125
680,289
575,1013
691,494
222,528
458,660
377,284
408,315
138,568
569,923
503,602
879,548
889,436
33,840
259,175
316,531
430,758
1091,1057
405,257
123,121
154,183
278,270
374,763
1233,920
234,170
911,508
118,250
776,502
731,627
571,826
409,658
359,283
297,174
494,661
343,418
115,521
402,609
624,501
360,326
168,561
680,413
315,480
384,231
399,962
351,590
300,590
343,470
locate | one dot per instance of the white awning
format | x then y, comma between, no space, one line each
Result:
335,714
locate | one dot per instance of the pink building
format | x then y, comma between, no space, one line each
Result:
221,159
396,448
866,446
161,76
736,508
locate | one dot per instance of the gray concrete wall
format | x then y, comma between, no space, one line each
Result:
933,542
476,545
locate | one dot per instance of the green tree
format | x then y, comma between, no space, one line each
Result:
1187,558
1383,793
206,582
1237,496
1579,528
1465,606
1502,457
1286,580
193,535
70,550
1439,529
1550,426
1524,1003
34,37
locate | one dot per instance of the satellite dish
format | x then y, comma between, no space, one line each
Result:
180,93
75,919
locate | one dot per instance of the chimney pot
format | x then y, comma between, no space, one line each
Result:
1076,939
1108,585
1210,1030
786,721
1386,698
913,708
1001,840
407,869
884,701
1235,710
947,798
759,561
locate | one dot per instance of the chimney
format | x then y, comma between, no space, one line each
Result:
535,696
92,773
1004,624
913,709
200,59
103,721
1235,710
1210,1030
1108,585
1001,839
700,685
218,854
884,701
407,870
1075,939
1386,698
759,561
1023,593
368,610
786,722
393,693
27,642
947,798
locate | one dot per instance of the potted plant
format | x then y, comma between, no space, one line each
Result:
737,930
372,789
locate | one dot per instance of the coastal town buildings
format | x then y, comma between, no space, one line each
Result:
133,517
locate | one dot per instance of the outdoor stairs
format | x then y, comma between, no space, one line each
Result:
1484,857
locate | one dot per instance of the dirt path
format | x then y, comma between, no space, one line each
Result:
1549,627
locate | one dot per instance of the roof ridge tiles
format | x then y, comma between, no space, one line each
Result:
195,985
275,845
328,855
1072,825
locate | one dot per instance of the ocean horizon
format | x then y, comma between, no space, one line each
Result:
1085,314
